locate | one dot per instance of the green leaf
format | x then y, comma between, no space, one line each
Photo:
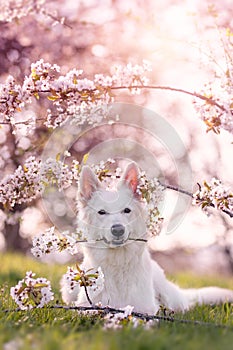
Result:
40,285
85,158
53,98
36,95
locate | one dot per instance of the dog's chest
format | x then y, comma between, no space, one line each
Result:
123,288
127,282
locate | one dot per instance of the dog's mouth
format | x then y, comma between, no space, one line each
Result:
121,242
115,242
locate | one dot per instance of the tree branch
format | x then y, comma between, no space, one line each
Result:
150,87
107,309
159,87
180,190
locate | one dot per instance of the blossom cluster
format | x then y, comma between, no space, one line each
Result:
92,280
17,9
29,180
216,107
22,185
12,10
55,172
83,100
107,172
49,241
72,95
32,292
214,194
131,75
12,98
152,193
217,110
119,319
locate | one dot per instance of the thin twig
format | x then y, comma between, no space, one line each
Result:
58,20
87,295
177,189
137,239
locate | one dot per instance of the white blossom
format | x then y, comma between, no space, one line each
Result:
49,241
216,108
97,284
21,186
44,243
119,319
128,310
31,292
54,171
16,9
72,95
152,194
30,180
92,279
215,194
131,75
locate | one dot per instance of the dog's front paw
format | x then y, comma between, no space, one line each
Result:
68,291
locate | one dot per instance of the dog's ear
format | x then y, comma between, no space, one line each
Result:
88,183
131,177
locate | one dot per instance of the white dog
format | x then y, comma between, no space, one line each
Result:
114,218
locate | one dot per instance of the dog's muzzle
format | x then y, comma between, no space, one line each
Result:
117,230
118,233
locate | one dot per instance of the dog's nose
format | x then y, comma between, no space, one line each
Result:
117,230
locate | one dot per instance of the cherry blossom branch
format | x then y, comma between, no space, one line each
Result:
150,87
209,100
195,195
74,96
200,201
16,10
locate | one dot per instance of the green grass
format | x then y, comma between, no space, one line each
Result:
64,329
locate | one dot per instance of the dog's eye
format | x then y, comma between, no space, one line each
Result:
127,210
102,212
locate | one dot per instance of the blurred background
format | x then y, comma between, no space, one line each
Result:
182,41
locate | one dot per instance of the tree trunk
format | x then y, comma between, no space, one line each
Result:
13,240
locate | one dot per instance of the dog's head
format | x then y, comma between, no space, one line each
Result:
113,217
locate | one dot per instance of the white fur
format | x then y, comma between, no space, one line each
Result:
131,276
